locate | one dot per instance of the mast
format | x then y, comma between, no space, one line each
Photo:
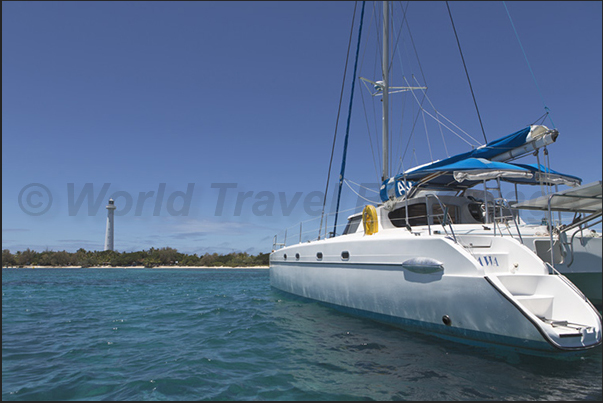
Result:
384,100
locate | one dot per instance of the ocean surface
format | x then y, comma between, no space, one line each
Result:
194,334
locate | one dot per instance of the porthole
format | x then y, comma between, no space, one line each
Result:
319,255
285,256
345,255
297,256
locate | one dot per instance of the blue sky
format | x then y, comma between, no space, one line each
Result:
191,99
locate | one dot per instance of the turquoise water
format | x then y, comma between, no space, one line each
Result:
154,334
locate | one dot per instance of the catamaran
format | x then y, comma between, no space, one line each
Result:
430,260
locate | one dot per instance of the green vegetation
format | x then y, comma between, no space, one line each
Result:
147,258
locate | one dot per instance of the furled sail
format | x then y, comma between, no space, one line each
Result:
481,164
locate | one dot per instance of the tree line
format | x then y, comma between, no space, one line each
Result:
147,258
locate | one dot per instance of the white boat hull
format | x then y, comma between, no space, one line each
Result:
464,300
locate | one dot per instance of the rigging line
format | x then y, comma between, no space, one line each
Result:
412,132
358,194
443,139
378,50
359,185
387,138
345,211
347,130
421,109
539,172
477,144
373,74
399,34
415,49
427,135
369,33
467,73
422,75
548,169
368,129
528,63
437,120
449,121
324,201
402,121
375,114
368,125
296,225
541,119
436,112
395,49
377,139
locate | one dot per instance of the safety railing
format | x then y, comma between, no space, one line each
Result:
446,219
305,231
500,205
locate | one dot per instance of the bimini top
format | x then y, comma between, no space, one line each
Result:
545,175
470,170
457,175
583,199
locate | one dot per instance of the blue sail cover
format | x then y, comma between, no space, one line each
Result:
440,174
396,187
491,149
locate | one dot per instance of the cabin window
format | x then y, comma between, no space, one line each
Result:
417,215
438,214
297,256
319,255
352,225
475,209
345,255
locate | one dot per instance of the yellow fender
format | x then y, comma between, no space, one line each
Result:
369,220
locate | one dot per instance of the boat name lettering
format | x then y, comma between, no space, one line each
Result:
402,188
488,260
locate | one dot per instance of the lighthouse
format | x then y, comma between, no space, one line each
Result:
109,233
